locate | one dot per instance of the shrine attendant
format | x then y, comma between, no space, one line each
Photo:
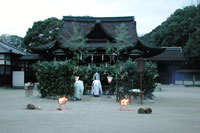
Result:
96,88
78,89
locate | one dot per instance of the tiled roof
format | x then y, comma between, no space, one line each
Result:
170,54
8,48
45,46
87,26
109,24
100,33
3,49
188,71
31,57
148,50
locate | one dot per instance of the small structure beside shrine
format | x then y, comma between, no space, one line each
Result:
14,70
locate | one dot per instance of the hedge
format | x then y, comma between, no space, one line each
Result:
57,78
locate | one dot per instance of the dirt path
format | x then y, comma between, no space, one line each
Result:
176,109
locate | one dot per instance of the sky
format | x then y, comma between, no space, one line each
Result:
19,15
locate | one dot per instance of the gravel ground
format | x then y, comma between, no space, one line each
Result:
176,109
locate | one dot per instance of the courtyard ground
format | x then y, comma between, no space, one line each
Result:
176,109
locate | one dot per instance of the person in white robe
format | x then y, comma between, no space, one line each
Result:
78,89
96,88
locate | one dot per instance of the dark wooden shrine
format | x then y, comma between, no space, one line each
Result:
92,40
94,36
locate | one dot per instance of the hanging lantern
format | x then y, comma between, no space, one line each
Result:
109,79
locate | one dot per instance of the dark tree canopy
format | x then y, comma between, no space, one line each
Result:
182,28
192,47
42,32
14,40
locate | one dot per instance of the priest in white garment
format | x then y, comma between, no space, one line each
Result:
96,89
78,89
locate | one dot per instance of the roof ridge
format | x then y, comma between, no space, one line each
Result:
94,19
48,45
147,44
173,48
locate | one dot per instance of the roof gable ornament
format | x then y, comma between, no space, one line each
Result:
99,34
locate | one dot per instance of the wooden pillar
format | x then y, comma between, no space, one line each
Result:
140,69
193,77
4,79
183,79
173,74
141,90
116,89
11,70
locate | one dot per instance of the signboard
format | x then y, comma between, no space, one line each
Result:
140,64
18,79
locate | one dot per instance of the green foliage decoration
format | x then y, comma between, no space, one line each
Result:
122,33
122,38
76,34
57,78
75,42
129,77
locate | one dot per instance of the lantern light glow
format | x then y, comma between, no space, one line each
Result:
124,102
62,100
